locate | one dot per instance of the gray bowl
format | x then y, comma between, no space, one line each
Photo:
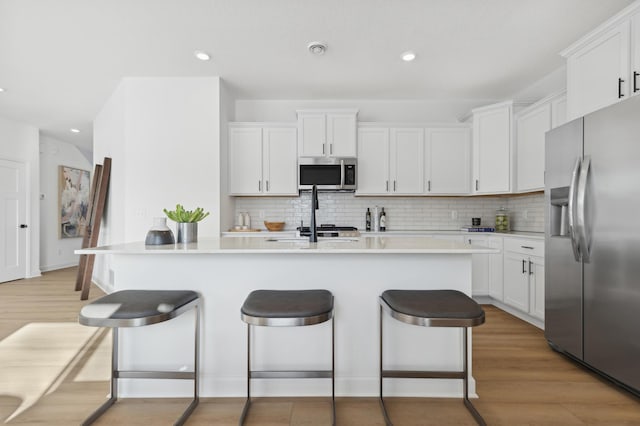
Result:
157,238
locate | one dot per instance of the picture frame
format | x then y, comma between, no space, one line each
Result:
74,187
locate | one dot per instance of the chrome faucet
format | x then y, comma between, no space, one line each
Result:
313,236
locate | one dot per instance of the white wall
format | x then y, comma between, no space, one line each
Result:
56,253
20,142
163,135
227,114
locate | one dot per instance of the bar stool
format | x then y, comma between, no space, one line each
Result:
432,308
288,308
135,308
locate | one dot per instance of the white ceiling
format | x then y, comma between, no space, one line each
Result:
60,60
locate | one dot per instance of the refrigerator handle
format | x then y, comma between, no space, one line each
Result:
585,244
571,207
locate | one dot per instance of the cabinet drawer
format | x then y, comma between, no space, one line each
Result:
524,246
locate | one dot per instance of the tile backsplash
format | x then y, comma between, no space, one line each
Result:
403,213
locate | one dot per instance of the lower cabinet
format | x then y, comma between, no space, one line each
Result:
480,267
524,275
496,269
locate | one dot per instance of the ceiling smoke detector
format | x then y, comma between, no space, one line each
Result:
317,47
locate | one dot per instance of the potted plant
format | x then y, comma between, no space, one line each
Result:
186,222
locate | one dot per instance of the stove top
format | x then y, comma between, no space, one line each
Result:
330,230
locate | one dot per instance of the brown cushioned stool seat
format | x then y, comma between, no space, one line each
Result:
288,308
431,308
136,308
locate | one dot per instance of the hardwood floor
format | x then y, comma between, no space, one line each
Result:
53,372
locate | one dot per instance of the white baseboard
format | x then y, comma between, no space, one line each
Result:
48,268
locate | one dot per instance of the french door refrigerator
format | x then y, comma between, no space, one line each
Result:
592,236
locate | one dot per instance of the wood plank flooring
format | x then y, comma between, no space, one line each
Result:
519,379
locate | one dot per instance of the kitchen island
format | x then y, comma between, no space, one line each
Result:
355,270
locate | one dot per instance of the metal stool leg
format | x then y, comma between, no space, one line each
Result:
196,370
387,420
113,382
467,403
333,372
247,404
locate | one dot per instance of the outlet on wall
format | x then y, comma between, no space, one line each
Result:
525,214
454,214
261,214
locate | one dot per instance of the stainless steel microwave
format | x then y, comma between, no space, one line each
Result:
328,174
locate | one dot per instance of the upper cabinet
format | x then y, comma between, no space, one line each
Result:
390,161
492,129
603,67
531,127
447,160
262,159
330,133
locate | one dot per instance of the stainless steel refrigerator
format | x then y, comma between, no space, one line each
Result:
592,235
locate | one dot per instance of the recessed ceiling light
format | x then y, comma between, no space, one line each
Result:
74,130
408,56
203,56
1,89
317,47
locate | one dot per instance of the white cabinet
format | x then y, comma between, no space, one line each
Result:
492,128
480,267
603,66
496,269
447,162
327,133
406,165
532,124
262,159
530,136
390,161
524,275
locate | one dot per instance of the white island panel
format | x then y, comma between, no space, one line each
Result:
356,280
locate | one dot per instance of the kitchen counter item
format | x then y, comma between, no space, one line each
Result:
274,226
502,220
160,233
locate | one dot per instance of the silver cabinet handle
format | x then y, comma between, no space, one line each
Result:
394,186
323,145
259,186
267,182
524,262
530,268
330,149
387,184
585,244
571,207
476,184
429,185
527,247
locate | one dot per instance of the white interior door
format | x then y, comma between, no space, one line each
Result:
13,238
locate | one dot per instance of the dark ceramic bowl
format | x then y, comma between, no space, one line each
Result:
157,238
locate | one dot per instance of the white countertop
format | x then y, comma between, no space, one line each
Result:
283,244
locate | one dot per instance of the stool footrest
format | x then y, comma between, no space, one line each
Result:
411,374
305,374
178,375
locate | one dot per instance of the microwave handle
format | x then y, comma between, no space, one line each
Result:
342,171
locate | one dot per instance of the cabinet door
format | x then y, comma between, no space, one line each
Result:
530,137
280,162
447,161
594,70
341,134
312,135
536,283
496,269
516,281
479,268
634,76
373,160
406,167
245,161
492,151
